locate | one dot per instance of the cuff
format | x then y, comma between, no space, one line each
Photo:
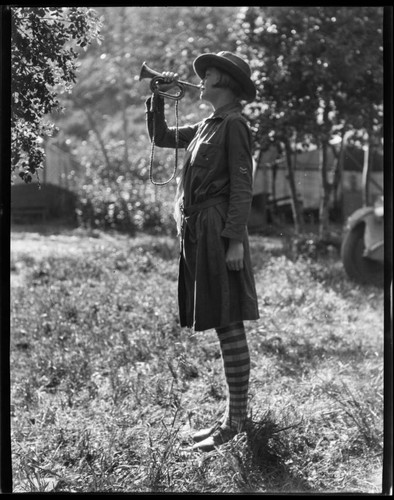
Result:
236,232
154,104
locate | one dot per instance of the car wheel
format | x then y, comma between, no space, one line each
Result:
357,267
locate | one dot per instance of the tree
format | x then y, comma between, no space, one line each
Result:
319,73
108,91
104,122
43,62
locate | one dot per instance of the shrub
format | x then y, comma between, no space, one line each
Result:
127,209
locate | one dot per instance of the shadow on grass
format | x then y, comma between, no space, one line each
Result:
270,456
298,358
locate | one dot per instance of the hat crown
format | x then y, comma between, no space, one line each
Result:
242,65
230,63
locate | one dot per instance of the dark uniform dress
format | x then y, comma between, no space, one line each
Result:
217,194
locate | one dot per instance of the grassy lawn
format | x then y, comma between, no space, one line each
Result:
106,386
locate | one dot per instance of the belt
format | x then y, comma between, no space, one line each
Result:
197,207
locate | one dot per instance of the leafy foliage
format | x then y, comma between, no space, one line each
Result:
43,61
318,69
104,121
320,74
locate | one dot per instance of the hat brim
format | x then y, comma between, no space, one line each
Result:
204,61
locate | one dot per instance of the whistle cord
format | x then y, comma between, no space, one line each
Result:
156,183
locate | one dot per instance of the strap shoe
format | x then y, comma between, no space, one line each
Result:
219,436
204,433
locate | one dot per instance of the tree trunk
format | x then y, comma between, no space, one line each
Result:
99,139
324,219
338,178
262,197
295,204
367,170
79,103
123,95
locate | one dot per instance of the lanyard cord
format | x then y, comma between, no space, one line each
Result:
156,183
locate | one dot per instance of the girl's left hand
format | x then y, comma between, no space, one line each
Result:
235,255
170,81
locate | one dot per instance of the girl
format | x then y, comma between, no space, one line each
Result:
216,288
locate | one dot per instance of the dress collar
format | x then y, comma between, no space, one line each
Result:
225,110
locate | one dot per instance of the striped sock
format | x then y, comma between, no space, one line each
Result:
236,363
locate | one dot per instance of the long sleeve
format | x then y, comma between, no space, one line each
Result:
241,179
165,136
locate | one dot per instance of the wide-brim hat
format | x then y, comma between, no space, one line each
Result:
232,64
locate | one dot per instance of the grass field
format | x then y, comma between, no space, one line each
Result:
106,386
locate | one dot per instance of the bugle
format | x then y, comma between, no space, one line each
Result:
158,79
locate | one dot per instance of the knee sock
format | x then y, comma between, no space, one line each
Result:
236,364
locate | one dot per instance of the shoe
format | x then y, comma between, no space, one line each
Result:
204,433
219,436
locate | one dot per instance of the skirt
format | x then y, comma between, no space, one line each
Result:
209,294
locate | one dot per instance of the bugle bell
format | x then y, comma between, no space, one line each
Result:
157,79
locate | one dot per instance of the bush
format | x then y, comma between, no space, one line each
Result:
126,209
311,246
119,196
